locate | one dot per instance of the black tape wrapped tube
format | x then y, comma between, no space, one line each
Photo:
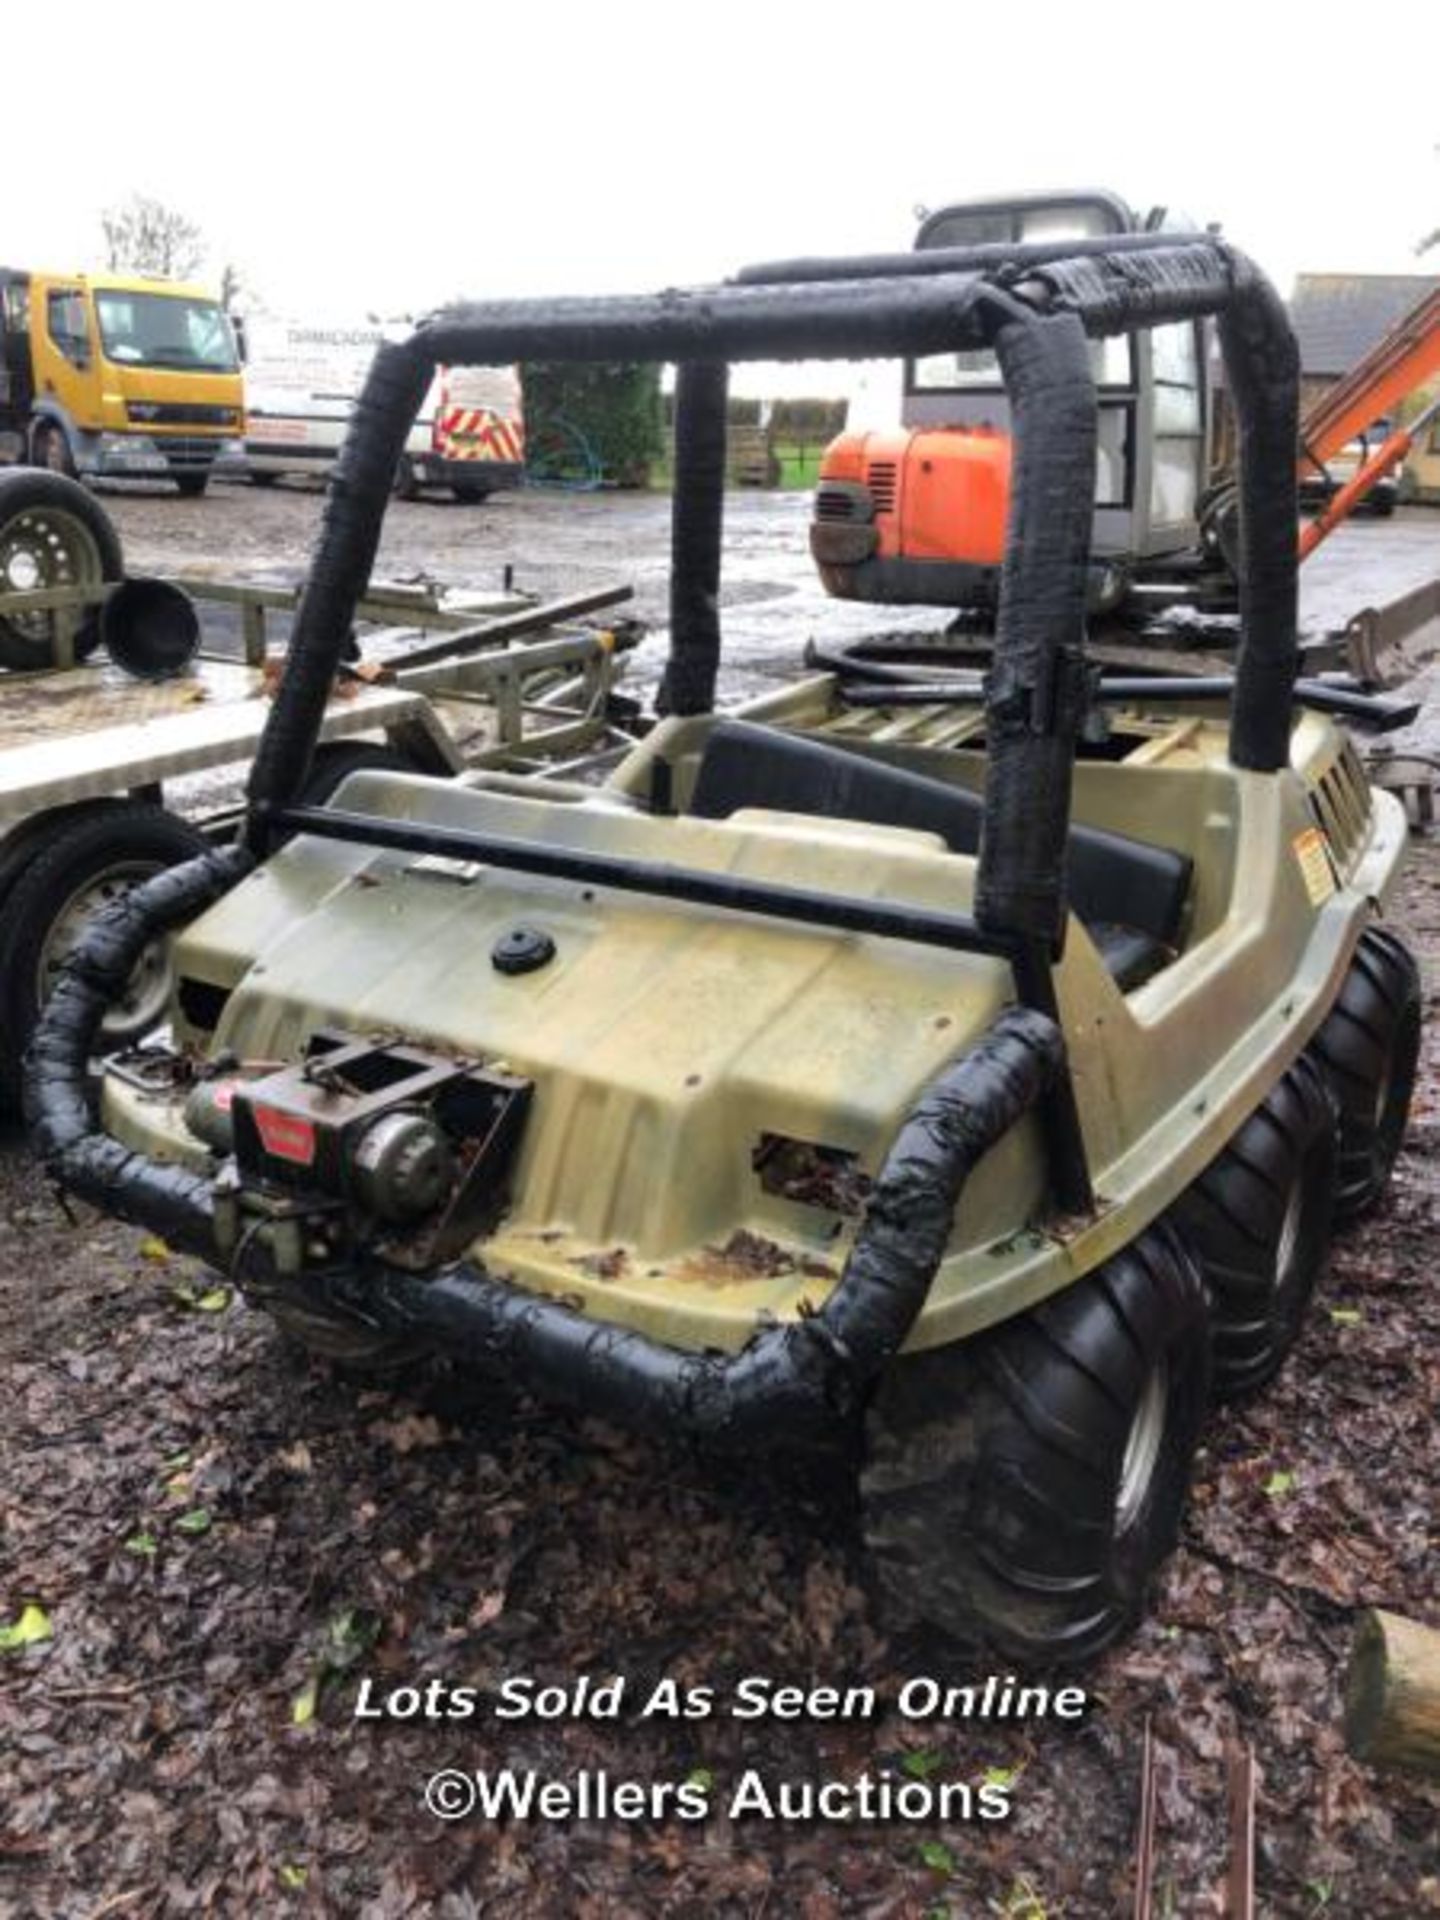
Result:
58,1098
1262,362
339,572
1262,366
1002,257
791,1382
1034,694
696,532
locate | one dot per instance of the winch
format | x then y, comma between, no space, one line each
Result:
363,1142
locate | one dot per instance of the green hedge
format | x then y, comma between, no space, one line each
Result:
616,406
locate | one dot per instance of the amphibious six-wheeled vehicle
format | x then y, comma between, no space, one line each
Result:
966,1072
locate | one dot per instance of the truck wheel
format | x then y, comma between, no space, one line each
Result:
470,492
87,859
1022,1488
1368,1048
1258,1221
191,485
52,534
405,485
50,449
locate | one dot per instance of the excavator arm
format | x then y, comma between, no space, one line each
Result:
1395,366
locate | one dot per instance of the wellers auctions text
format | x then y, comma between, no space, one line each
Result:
752,1697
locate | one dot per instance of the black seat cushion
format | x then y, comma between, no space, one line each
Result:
1113,879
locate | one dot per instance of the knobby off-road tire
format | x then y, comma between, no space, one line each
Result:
348,1345
1368,1047
1022,1488
85,859
1259,1221
337,760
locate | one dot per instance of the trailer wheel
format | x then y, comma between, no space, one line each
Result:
1259,1221
1368,1047
1022,1488
52,534
85,860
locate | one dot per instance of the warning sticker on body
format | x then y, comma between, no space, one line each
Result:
1315,868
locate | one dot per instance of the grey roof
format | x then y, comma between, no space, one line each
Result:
1338,317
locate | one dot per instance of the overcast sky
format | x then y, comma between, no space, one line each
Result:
389,158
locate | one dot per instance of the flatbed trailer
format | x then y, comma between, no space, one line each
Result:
91,757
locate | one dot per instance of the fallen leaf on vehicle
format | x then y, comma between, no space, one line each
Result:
29,1630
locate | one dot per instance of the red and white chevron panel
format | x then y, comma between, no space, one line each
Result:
475,433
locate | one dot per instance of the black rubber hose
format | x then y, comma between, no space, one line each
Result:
59,1105
1035,692
791,1382
696,531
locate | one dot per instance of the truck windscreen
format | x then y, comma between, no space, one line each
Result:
165,330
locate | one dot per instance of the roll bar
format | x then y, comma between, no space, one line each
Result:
1035,313
1033,304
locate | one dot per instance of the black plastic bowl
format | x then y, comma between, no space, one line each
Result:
150,628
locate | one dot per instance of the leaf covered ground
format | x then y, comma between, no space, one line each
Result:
217,1541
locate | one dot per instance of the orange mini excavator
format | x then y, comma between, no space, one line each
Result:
917,515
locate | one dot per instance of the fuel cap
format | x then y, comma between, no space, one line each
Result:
522,950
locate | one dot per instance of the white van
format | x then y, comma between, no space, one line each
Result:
301,382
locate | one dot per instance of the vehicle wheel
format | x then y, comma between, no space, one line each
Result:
1258,1221
1368,1048
1022,1488
191,485
405,486
347,1344
258,479
52,534
470,492
50,449
335,762
87,858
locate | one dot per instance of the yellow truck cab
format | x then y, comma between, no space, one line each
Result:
127,376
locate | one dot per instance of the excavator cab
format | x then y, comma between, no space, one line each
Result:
917,515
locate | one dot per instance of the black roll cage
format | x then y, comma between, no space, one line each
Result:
1034,304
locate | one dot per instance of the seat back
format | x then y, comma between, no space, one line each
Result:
1112,878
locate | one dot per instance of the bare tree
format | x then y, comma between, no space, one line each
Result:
145,236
